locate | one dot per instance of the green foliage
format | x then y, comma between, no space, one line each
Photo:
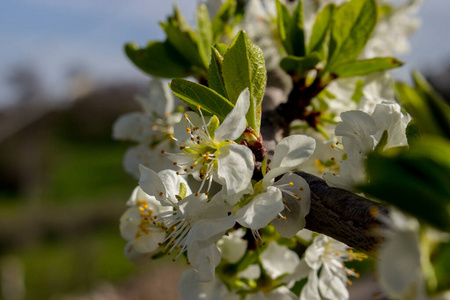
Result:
352,26
244,67
215,79
425,106
184,52
204,34
416,180
366,66
358,93
158,59
183,38
195,94
319,33
299,65
220,22
290,29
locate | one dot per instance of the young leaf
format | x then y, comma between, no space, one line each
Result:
353,24
244,66
296,32
195,94
215,79
204,33
283,21
366,66
299,65
290,29
222,18
222,48
414,180
181,36
158,59
320,30
431,117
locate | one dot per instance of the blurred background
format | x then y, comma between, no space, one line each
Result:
64,79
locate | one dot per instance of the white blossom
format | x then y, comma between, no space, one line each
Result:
209,153
151,129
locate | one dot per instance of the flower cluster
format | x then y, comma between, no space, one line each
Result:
210,193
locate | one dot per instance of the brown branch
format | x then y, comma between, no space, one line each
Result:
344,215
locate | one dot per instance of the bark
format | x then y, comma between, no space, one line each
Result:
345,216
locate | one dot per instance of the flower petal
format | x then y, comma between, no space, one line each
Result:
235,122
235,167
151,183
261,210
204,260
298,204
278,260
331,286
289,154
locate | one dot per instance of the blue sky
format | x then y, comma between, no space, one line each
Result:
54,35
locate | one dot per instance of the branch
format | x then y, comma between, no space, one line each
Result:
344,215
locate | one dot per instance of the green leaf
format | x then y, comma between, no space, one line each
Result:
431,116
353,24
222,18
195,94
415,180
215,79
436,104
320,30
358,93
204,33
413,133
158,59
296,32
382,143
181,36
290,28
222,48
244,67
299,65
366,66
283,21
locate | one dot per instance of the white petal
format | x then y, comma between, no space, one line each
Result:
282,293
311,290
289,154
151,183
314,253
190,289
233,247
358,126
160,99
399,264
252,272
278,260
296,210
261,210
235,122
129,222
136,257
235,167
204,261
148,243
331,286
172,183
133,127
388,116
180,128
206,229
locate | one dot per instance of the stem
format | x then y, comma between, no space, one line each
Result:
344,216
